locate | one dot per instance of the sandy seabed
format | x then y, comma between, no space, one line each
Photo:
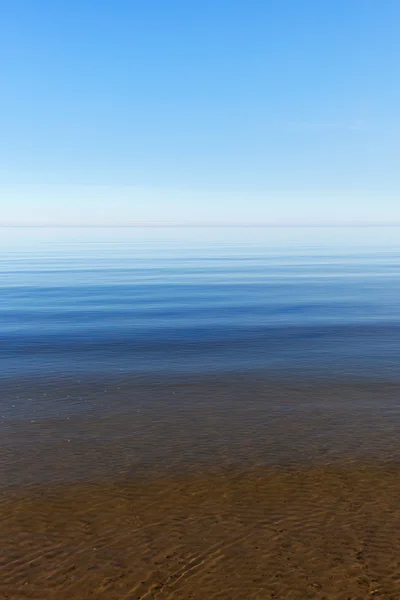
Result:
316,532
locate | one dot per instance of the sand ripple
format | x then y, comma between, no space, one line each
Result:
322,532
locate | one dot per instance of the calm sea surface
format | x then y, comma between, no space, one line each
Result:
134,349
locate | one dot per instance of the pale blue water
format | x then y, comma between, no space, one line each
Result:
187,345
322,302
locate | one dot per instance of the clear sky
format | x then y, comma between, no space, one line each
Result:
199,112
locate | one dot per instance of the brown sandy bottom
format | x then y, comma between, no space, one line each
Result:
320,532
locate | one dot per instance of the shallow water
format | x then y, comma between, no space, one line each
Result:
155,350
199,413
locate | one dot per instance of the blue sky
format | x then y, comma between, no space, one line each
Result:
199,112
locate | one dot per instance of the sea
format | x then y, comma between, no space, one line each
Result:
146,350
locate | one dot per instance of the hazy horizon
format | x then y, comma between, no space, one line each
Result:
207,226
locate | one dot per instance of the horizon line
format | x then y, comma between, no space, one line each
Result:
201,225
